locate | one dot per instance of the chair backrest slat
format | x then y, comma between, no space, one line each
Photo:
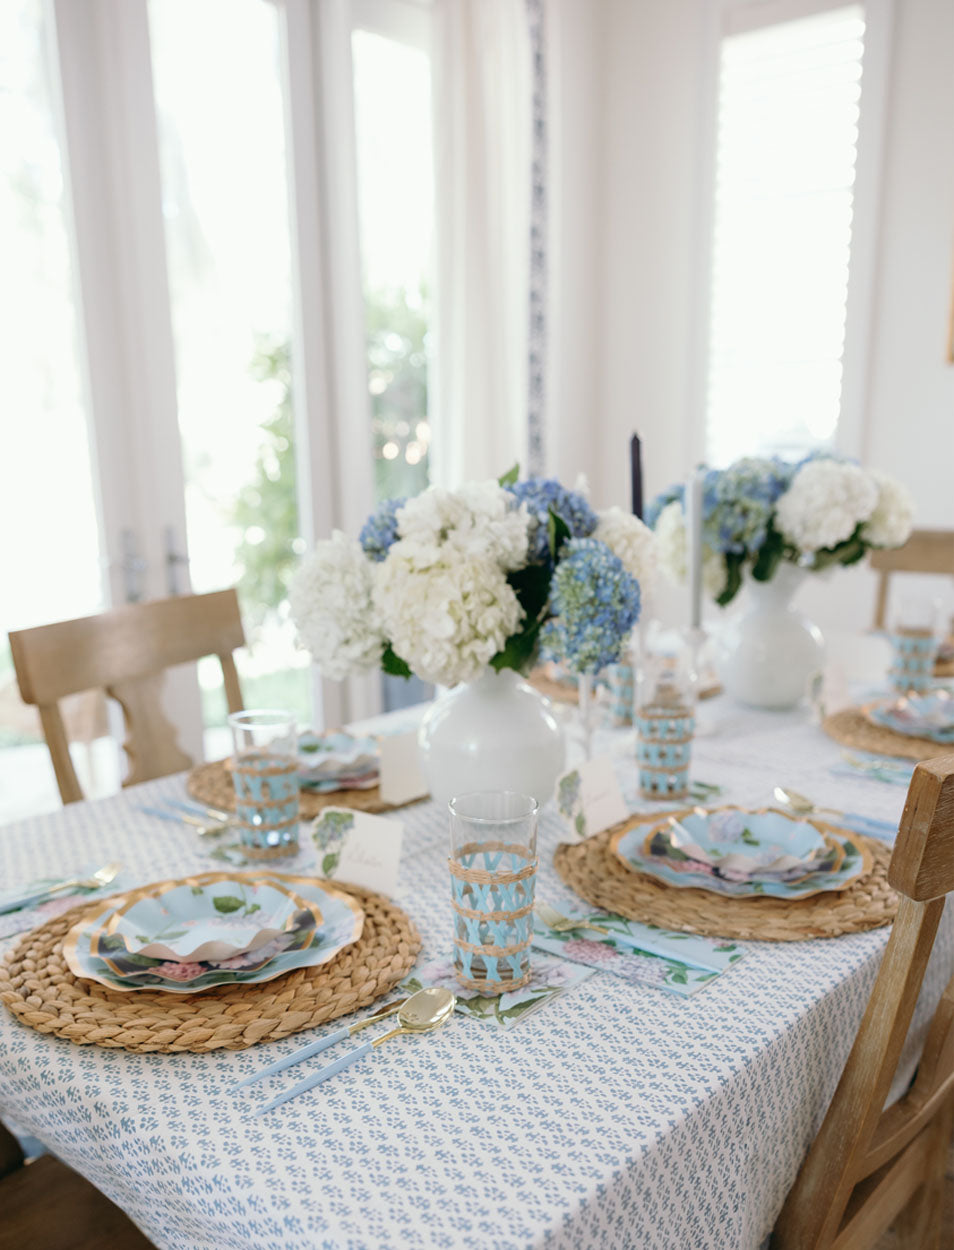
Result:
125,652
922,865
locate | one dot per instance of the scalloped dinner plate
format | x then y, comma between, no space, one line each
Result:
745,853
330,921
214,920
929,715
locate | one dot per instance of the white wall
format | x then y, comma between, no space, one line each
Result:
633,159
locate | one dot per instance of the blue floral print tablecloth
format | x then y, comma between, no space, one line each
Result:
616,1116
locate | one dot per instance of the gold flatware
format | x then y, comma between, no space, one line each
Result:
563,924
323,1043
102,876
800,805
424,1011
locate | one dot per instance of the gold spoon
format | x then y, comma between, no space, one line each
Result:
427,1009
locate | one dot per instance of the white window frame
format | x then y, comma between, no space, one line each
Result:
728,17
112,162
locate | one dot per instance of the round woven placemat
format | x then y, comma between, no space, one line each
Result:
593,872
852,728
38,987
212,784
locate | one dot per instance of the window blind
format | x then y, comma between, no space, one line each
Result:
787,129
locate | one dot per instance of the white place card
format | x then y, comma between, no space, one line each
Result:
359,848
589,797
401,779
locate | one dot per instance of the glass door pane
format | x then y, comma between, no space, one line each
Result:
392,97
222,152
52,551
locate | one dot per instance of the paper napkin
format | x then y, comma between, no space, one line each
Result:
640,967
29,917
550,978
359,848
589,798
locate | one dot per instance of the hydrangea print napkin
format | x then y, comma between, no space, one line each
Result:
550,978
29,917
585,946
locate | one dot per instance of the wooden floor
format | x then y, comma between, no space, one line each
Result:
890,1241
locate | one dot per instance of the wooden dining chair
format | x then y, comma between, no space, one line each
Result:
125,653
869,1168
926,551
45,1205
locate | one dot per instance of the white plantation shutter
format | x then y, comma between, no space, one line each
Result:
784,176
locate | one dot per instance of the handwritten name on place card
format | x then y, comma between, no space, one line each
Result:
359,848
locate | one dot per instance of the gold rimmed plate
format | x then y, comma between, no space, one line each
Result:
731,851
93,954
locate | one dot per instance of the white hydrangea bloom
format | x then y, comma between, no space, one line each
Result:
332,606
890,523
445,616
631,540
825,502
672,552
480,519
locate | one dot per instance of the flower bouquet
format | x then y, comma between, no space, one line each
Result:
450,582
466,588
759,514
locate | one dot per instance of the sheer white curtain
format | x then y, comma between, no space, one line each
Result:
482,121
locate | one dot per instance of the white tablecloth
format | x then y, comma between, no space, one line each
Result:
617,1116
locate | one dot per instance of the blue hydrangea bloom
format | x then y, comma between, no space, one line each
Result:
540,494
380,529
595,602
738,503
662,500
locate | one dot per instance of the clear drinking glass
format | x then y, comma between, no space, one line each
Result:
264,770
493,865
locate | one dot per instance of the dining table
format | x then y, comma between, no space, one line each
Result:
616,1116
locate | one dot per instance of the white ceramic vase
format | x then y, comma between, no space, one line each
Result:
768,654
494,733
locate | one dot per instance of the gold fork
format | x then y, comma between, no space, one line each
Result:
101,877
562,924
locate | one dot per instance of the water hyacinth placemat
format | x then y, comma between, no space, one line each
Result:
212,784
595,874
37,986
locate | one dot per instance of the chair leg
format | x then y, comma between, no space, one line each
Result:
920,1226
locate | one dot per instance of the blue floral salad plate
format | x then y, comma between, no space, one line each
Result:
337,761
329,921
929,715
744,854
187,922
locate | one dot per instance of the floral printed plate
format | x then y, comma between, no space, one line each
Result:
95,955
337,761
929,715
181,920
742,853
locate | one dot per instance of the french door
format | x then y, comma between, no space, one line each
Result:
192,391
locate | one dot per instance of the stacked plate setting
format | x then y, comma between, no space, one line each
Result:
216,928
929,715
337,761
741,853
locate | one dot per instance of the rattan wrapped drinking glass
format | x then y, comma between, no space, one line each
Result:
665,722
493,865
264,769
